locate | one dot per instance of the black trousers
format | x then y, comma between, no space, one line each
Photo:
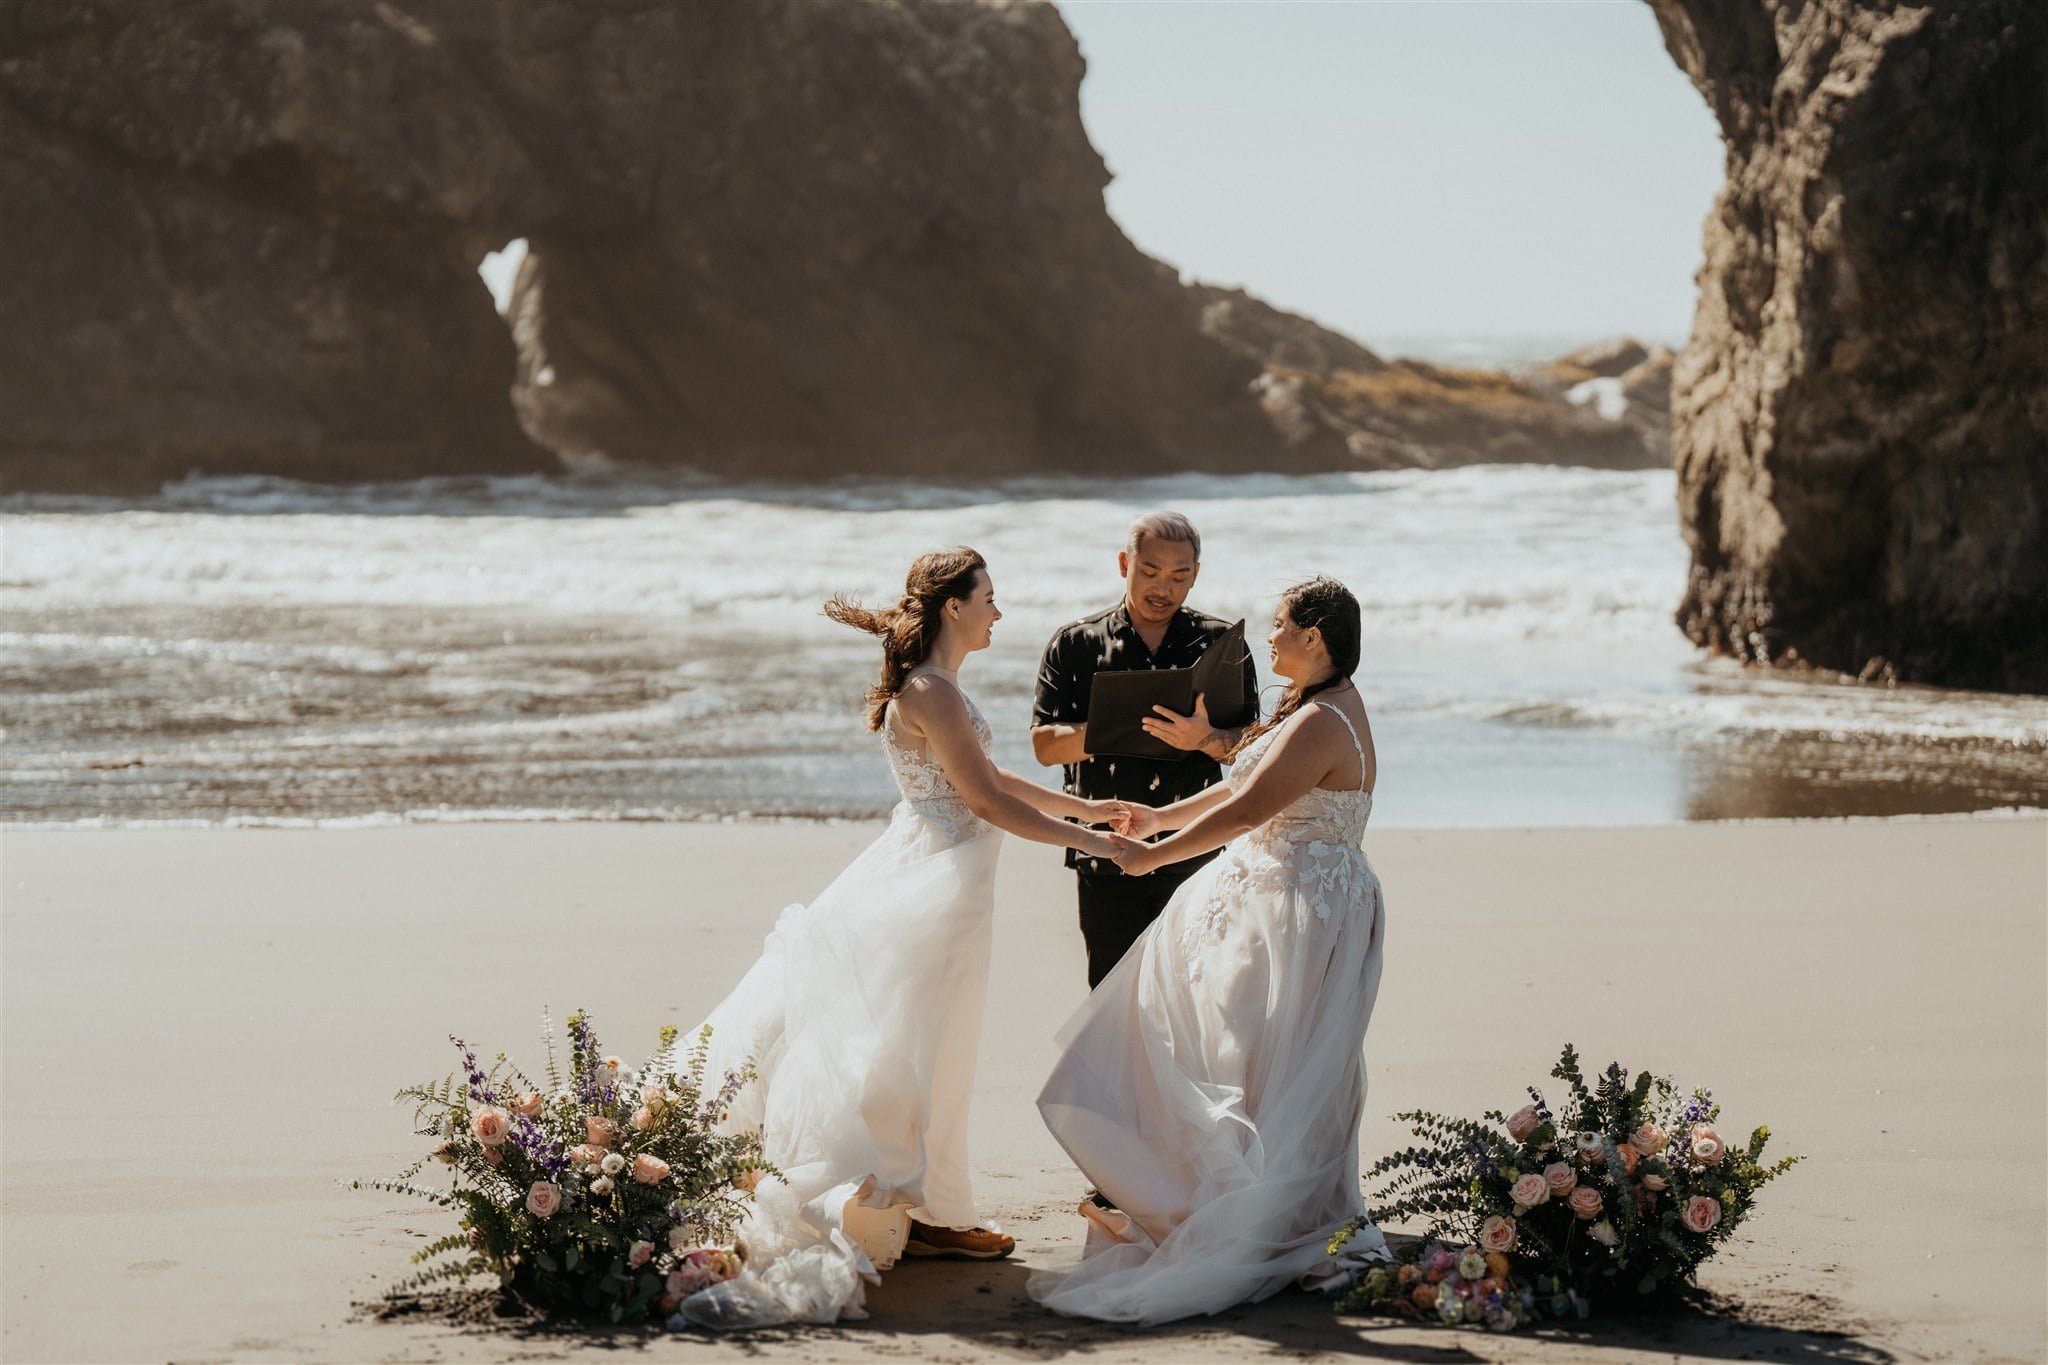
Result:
1115,909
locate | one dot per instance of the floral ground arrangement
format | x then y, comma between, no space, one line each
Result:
607,1192
1613,1204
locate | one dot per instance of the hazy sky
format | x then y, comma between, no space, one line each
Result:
1405,170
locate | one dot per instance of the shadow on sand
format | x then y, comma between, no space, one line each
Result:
930,1310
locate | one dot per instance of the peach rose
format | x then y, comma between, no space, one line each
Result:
649,1169
1425,1296
543,1199
1529,1191
1628,1157
1560,1177
491,1125
1497,1234
530,1104
1586,1202
494,1156
600,1132
1707,1147
655,1097
642,1120
639,1254
1523,1122
586,1154
1653,1182
1648,1139
1702,1213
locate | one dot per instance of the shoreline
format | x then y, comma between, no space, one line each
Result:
202,1033
487,818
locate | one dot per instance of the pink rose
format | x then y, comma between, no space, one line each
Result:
1560,1177
1653,1182
543,1199
494,1156
654,1097
1529,1191
586,1154
491,1125
600,1132
639,1254
1523,1122
1628,1157
1497,1234
530,1104
1648,1139
642,1120
1586,1202
649,1169
1707,1147
1702,1213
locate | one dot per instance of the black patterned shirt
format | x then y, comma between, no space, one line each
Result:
1107,642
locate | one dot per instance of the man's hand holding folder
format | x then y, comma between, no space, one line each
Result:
1212,694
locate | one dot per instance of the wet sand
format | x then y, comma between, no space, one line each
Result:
203,1028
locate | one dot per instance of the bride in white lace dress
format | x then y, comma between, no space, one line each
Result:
863,1014
1212,1086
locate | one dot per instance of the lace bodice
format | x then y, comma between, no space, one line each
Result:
928,794
1313,845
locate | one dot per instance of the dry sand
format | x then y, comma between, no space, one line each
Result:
203,1028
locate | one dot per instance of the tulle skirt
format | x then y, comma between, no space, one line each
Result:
1212,1087
863,1019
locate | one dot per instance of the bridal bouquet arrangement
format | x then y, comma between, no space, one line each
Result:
606,1191
1622,1195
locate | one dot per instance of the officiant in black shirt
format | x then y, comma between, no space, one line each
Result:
1150,628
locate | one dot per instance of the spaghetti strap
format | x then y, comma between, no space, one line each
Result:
1359,748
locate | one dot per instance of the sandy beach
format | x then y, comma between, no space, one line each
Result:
203,1029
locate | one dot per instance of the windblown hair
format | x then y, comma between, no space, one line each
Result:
911,627
1326,605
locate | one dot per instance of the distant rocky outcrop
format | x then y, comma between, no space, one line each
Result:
775,238
1860,420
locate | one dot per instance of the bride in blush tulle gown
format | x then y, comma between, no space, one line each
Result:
863,1015
1212,1086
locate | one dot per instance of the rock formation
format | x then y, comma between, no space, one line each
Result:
778,237
1860,420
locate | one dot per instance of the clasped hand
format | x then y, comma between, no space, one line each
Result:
1130,824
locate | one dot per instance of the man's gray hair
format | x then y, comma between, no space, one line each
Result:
1164,526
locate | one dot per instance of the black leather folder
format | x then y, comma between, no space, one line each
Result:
1119,701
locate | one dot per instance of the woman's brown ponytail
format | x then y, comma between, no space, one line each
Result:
911,627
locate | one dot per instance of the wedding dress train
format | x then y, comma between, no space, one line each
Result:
862,1018
1212,1085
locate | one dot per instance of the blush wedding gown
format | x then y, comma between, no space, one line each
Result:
1212,1085
862,1018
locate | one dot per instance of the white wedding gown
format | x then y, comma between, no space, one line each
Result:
1212,1085
863,1018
